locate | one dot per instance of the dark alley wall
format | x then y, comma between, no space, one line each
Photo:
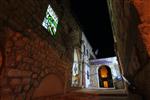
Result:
130,25
29,52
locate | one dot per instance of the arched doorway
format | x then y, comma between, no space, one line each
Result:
105,77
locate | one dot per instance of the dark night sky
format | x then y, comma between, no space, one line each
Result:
93,18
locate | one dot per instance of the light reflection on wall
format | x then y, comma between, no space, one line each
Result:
75,70
87,76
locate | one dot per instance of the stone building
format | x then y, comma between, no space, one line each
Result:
87,55
130,23
81,65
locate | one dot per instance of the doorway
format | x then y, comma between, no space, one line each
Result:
105,77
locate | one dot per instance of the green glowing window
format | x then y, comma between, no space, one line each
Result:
50,21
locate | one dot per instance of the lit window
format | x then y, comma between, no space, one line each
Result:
50,21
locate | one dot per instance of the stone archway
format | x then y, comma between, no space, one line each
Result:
50,85
105,77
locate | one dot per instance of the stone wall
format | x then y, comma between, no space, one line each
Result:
29,52
130,24
143,11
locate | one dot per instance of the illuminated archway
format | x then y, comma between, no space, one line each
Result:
105,77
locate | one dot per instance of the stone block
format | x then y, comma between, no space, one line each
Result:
24,66
20,97
18,73
27,88
10,59
26,81
28,60
42,74
6,97
29,96
20,44
15,81
3,81
5,90
36,83
18,89
8,50
36,69
36,63
34,76
9,44
16,36
46,70
18,57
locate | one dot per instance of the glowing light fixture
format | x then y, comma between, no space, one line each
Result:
50,21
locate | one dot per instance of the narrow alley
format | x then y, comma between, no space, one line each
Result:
74,50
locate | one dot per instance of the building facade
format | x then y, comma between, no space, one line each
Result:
106,71
81,65
87,54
